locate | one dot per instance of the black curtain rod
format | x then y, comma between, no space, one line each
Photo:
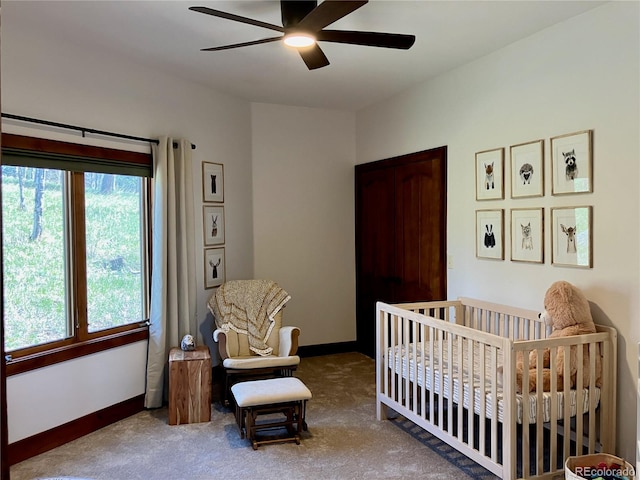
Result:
84,129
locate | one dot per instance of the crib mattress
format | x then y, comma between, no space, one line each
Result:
430,376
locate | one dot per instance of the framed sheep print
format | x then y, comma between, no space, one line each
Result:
571,237
489,174
489,234
527,169
572,163
213,224
214,267
527,235
212,182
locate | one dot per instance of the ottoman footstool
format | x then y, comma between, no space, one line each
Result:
286,396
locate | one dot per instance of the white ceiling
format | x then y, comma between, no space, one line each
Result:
165,35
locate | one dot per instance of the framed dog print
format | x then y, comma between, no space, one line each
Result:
214,267
572,163
212,182
527,235
489,234
571,237
213,224
527,169
490,174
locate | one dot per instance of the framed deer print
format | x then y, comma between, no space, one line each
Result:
527,169
213,224
571,163
527,235
212,182
571,237
489,234
214,267
490,174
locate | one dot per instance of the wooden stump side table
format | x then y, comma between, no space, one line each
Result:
189,386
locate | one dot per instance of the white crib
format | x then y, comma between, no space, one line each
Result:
438,365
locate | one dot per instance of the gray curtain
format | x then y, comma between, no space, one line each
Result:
173,279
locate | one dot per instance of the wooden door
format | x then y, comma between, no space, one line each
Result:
400,235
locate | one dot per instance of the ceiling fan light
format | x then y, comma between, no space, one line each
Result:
299,40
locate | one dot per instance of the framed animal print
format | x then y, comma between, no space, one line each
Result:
489,234
527,235
572,163
490,174
571,235
214,267
213,224
527,169
212,182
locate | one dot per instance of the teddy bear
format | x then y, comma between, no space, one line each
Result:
567,311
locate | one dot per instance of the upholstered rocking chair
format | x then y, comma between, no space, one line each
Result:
272,354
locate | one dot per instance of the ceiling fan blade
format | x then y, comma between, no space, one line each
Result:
238,45
314,57
370,39
328,12
236,18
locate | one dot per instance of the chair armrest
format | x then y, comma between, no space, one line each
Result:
288,341
221,338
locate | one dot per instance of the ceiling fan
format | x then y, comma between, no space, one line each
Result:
303,23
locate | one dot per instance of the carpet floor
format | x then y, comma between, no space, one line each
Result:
344,441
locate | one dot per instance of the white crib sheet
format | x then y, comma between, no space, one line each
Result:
441,364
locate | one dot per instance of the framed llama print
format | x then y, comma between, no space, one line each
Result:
572,163
571,237
527,235
489,174
213,224
212,182
527,169
214,267
489,234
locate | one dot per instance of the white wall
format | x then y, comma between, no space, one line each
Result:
48,79
580,74
303,162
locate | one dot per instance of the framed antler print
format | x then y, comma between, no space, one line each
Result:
571,236
214,267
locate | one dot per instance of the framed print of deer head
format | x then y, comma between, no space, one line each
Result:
213,224
490,174
489,234
571,237
214,267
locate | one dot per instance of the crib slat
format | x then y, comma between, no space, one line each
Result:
593,351
494,404
553,420
539,413
579,418
462,365
566,417
450,371
483,399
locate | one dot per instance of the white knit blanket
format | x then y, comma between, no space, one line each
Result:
248,307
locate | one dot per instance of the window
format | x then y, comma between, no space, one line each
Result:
75,249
